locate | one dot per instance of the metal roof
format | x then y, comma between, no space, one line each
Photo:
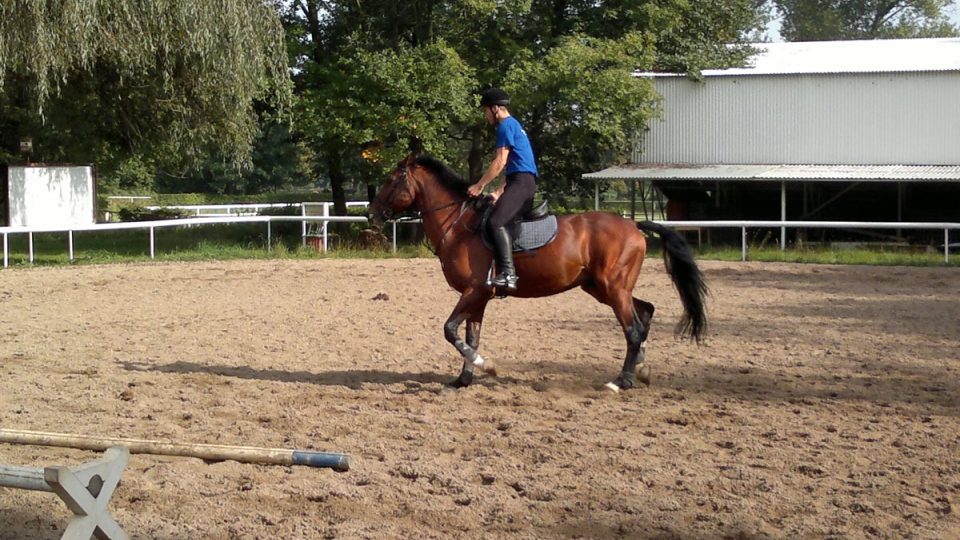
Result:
808,173
867,56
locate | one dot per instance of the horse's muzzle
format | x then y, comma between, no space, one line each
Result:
376,217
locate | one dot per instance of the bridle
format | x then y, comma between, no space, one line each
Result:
403,182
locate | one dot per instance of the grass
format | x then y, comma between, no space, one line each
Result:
248,241
858,256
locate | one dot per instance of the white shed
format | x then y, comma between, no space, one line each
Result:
825,121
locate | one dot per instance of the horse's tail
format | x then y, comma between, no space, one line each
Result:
686,277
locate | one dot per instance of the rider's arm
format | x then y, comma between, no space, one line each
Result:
494,170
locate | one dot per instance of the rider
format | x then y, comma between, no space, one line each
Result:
516,194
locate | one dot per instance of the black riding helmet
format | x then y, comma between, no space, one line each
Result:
494,96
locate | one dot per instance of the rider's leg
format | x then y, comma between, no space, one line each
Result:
503,244
516,196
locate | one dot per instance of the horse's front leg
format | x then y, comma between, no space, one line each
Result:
470,308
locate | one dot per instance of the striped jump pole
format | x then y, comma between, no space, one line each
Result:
210,452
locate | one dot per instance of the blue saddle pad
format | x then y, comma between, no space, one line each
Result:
535,234
528,235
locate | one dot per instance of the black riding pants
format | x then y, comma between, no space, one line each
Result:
517,198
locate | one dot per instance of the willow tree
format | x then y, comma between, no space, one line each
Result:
98,81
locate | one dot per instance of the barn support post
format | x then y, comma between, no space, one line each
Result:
743,244
946,246
783,214
899,207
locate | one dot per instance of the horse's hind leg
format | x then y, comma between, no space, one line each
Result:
643,314
634,316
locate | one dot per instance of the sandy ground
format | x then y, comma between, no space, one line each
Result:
823,405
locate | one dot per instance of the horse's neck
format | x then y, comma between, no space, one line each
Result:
443,215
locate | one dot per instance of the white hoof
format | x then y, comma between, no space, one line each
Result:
612,387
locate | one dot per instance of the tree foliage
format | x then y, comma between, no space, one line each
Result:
374,74
819,20
154,86
97,81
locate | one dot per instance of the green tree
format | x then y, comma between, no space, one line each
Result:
170,82
582,105
820,20
574,83
371,77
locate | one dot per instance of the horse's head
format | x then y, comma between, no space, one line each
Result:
395,196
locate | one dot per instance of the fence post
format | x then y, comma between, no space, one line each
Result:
326,224
6,252
151,243
70,244
743,244
303,226
30,235
394,236
269,239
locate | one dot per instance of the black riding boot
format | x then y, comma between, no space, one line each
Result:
507,278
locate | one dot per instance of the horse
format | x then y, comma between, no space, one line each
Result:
597,251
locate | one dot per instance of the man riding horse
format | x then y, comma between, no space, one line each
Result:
514,157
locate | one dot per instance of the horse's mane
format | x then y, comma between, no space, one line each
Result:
447,176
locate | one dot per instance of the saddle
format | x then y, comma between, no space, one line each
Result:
535,228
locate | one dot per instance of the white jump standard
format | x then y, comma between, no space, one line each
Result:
86,489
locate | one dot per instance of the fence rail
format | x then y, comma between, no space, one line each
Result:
742,225
784,225
153,225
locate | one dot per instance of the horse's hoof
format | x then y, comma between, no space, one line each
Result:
453,385
612,387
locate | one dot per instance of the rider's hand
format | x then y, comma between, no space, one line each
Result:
475,190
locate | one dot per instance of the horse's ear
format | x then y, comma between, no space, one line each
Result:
416,147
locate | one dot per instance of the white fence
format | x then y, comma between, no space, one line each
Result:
784,225
224,210
153,225
324,219
231,210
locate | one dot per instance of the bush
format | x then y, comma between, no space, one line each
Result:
142,214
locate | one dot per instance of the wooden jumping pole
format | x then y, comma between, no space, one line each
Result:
210,452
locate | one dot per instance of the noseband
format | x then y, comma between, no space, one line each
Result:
394,186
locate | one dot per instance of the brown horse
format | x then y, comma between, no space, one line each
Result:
600,253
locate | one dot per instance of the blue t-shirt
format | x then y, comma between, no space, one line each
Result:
510,134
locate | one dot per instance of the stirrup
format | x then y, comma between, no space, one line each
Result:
507,281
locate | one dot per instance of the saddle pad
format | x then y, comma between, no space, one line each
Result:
535,234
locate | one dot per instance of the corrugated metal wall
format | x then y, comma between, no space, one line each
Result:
849,119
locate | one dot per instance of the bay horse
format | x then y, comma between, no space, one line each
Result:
599,252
